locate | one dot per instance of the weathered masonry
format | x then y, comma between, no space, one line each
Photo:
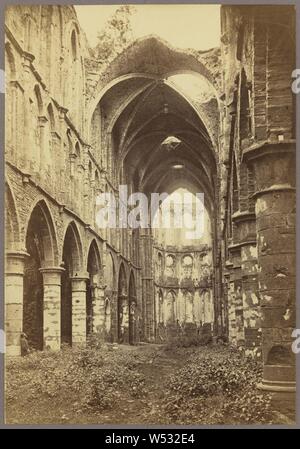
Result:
76,128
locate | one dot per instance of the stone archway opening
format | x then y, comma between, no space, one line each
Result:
93,309
33,291
40,248
132,300
122,307
72,264
110,311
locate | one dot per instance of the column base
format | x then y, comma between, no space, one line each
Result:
277,386
283,396
278,378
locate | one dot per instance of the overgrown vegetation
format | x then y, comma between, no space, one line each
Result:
116,35
89,379
150,384
218,385
189,341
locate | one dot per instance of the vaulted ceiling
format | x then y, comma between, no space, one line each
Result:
141,112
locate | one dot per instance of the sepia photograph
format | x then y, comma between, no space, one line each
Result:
150,215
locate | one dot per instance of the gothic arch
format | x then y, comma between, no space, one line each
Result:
134,59
122,280
110,273
94,254
72,234
39,100
46,230
94,270
132,303
170,307
73,264
122,307
41,246
160,305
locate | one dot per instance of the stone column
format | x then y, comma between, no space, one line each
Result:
274,168
44,158
123,319
231,305
52,305
14,275
146,243
98,310
245,224
226,277
79,310
236,293
114,315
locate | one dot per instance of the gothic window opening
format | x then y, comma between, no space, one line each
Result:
74,45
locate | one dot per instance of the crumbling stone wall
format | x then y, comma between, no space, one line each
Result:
258,139
50,163
183,292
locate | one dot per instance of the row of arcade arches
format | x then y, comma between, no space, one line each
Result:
113,315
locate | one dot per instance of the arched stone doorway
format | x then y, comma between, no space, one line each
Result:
160,316
160,307
73,324
132,310
170,308
122,306
94,294
110,311
41,249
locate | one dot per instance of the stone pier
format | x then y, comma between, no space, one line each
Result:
274,166
245,225
52,306
14,276
79,310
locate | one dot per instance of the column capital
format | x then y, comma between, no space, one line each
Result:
52,270
238,216
245,228
15,262
274,189
274,166
52,275
266,148
79,283
16,254
82,276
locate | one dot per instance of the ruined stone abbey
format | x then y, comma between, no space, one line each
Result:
77,127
